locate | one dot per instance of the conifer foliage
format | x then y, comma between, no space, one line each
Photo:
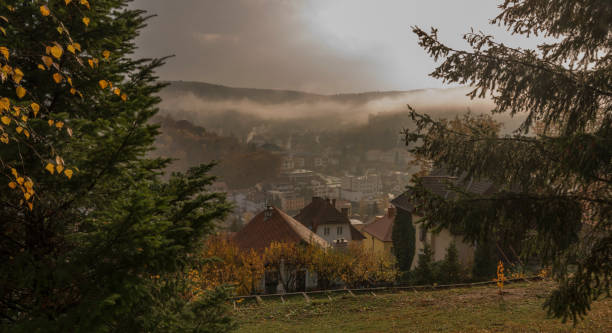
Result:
404,240
91,239
555,171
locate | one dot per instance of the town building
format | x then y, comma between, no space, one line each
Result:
274,225
378,233
322,217
438,183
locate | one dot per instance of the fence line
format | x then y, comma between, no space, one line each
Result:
390,288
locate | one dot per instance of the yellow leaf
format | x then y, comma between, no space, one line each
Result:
59,124
50,122
26,133
44,10
20,180
67,2
3,31
73,91
5,103
35,107
27,196
106,54
5,120
41,67
16,110
60,30
69,79
47,61
77,46
5,52
17,75
124,97
70,48
59,168
30,205
117,91
103,84
57,77
12,185
19,129
57,51
91,63
14,172
20,91
68,173
4,138
50,167
24,118
85,3
86,21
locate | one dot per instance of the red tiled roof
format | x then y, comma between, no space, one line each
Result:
320,211
260,232
381,228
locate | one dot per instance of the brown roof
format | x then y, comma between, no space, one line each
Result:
260,232
321,211
440,183
382,228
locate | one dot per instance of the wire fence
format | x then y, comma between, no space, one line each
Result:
391,288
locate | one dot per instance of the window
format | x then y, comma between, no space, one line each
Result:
326,231
339,230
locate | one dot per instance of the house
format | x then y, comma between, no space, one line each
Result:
378,233
438,183
273,225
322,217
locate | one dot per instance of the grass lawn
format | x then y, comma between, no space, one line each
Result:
477,309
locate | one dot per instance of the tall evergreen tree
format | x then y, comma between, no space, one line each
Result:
90,238
425,271
555,171
404,240
450,267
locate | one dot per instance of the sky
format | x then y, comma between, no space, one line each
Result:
320,46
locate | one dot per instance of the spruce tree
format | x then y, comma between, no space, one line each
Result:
555,171
404,239
91,239
424,272
450,267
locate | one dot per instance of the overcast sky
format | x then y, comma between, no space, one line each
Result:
323,46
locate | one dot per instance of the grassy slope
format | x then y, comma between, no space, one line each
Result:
459,310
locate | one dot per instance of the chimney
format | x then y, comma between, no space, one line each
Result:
345,211
391,211
334,202
268,212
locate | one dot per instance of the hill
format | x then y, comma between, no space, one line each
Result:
215,92
456,310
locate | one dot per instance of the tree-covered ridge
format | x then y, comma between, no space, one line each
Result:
555,172
106,246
